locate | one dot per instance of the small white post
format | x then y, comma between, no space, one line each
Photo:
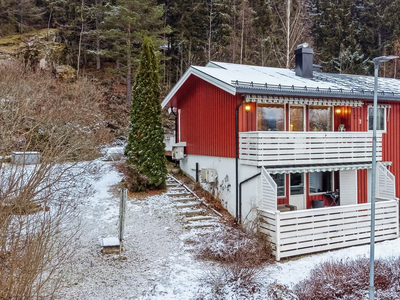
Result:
278,235
397,216
122,209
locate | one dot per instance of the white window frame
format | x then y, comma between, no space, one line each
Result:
322,193
332,116
273,104
384,118
304,117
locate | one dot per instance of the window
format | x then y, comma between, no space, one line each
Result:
380,118
320,118
320,182
280,184
270,117
296,184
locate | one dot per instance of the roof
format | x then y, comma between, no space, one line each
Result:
246,79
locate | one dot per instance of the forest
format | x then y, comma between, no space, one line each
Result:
107,35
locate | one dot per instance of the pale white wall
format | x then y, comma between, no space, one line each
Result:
225,188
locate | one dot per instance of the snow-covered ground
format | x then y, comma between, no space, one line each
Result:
156,263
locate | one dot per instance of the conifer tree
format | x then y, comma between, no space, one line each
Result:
145,148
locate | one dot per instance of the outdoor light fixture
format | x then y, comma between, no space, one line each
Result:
377,61
338,111
247,107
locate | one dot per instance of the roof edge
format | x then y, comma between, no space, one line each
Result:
193,71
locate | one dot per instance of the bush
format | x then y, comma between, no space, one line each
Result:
133,180
241,257
349,279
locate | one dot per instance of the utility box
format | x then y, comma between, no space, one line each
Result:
178,152
208,175
25,158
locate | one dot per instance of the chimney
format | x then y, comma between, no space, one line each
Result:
304,61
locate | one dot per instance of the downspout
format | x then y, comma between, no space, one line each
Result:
237,159
240,194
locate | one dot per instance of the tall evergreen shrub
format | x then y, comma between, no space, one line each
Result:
145,150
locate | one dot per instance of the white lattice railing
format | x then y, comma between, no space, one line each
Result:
385,183
268,192
279,148
307,231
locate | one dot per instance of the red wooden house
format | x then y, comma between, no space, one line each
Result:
281,144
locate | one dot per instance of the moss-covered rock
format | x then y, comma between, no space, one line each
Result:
37,49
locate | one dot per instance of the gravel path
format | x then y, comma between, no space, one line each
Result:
154,264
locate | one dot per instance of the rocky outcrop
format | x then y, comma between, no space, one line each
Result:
37,49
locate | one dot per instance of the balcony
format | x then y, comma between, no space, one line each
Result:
281,148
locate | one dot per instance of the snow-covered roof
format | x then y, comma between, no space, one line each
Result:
245,79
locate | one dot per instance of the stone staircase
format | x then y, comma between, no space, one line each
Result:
195,214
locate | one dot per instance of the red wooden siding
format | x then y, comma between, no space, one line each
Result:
208,119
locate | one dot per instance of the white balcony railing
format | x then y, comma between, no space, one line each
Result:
266,148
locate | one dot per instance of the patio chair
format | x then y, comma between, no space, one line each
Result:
334,197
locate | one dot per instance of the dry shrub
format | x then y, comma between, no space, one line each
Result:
233,281
38,225
241,257
133,180
277,291
230,244
39,113
349,279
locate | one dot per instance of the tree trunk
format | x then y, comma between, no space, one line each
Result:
241,39
98,62
209,35
129,71
288,34
80,42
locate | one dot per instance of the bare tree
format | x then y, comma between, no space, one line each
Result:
38,202
291,17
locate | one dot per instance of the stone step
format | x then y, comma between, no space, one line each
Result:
198,218
178,194
185,205
199,224
170,184
177,188
192,212
183,199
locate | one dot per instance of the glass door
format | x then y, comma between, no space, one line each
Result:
297,194
296,118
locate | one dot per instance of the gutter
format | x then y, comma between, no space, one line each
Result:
316,93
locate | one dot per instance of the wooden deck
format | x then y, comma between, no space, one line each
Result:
308,231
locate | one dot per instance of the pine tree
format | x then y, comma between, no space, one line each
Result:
145,148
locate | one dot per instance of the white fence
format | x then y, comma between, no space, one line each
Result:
278,148
385,183
307,231
268,192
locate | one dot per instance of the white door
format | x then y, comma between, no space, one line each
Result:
348,187
296,191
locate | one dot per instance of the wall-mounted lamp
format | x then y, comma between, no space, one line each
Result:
338,111
247,107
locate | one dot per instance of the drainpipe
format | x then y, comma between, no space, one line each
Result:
239,220
237,158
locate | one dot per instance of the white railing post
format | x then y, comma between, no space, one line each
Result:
397,216
278,235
